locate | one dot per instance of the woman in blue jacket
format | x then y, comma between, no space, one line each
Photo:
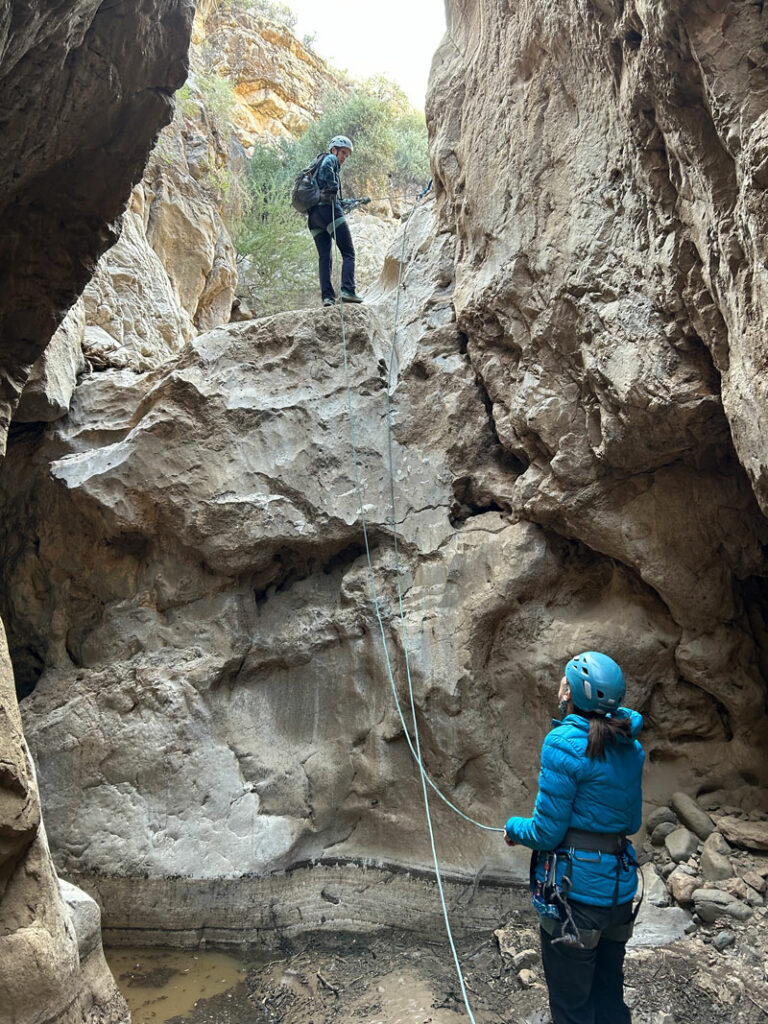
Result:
583,870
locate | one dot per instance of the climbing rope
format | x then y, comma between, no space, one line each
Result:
372,578
415,745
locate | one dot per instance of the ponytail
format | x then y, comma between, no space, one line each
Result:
602,730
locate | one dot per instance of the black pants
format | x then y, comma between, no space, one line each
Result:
586,986
321,224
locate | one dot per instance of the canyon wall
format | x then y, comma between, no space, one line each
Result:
84,89
610,279
577,463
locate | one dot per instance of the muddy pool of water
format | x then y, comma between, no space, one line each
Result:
162,985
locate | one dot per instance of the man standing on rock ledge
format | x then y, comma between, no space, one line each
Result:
327,222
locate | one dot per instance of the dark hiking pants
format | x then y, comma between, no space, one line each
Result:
586,986
323,221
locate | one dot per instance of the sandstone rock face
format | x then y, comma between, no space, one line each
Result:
751,834
279,83
189,598
51,383
134,318
226,630
692,815
171,274
67,170
68,167
43,975
609,280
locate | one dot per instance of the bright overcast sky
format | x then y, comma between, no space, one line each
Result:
396,38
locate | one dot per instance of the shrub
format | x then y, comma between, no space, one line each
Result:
390,138
278,271
219,99
275,11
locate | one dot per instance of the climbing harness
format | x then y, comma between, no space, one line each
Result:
415,744
550,895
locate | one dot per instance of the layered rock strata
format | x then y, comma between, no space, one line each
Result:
279,83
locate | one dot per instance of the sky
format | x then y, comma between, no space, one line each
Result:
396,38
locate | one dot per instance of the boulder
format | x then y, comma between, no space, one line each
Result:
654,889
692,815
526,958
739,888
658,926
723,940
717,843
710,904
745,832
681,844
85,915
662,830
682,884
659,816
714,866
755,880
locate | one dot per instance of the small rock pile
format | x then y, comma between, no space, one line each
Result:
710,856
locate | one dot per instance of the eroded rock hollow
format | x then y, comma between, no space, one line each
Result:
578,463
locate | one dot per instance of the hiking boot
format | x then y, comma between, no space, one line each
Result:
350,297
329,302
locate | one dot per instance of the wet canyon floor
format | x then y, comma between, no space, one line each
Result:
395,977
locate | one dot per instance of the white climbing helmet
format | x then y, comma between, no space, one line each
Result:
340,140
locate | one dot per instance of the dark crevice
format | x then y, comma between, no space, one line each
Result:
419,370
289,567
617,59
28,665
515,463
466,505
725,720
754,596
25,431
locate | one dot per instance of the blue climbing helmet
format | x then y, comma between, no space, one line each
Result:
339,141
596,681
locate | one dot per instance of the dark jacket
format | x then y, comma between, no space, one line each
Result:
594,795
328,178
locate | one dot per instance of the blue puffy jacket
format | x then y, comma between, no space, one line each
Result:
576,791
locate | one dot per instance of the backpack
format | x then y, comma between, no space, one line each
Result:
306,191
